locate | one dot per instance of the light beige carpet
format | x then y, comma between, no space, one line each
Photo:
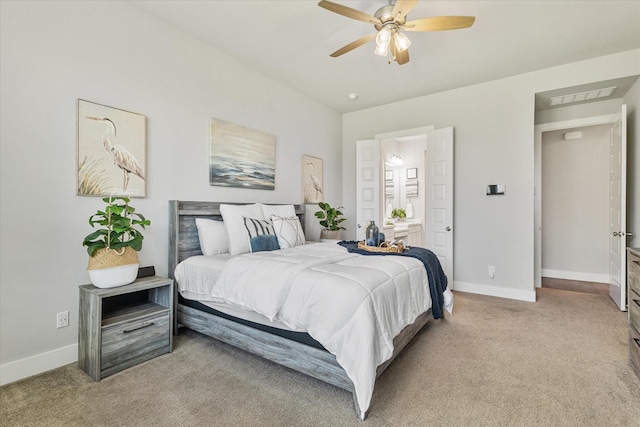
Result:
561,361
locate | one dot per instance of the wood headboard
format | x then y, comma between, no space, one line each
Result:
183,234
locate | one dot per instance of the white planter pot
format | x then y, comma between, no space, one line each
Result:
114,276
329,235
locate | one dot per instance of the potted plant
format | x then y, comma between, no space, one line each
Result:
330,218
399,214
112,249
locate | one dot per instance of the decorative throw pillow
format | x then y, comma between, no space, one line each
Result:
262,237
213,236
288,230
233,216
279,210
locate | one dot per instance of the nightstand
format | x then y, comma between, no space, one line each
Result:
633,283
123,326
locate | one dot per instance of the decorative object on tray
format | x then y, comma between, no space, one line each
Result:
111,151
312,179
372,234
398,214
330,218
241,157
112,249
384,247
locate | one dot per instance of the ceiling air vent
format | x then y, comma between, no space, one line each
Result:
582,96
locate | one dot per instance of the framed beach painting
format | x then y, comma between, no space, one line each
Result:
111,151
241,157
312,179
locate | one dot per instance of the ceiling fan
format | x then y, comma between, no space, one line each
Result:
389,20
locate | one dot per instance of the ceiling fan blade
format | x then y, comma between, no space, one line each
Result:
353,45
400,57
440,23
349,12
401,8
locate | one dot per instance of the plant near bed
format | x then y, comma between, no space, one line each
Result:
112,249
330,218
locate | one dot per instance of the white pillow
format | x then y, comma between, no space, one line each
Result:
286,211
213,236
233,216
288,231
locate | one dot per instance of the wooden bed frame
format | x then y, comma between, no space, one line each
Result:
320,364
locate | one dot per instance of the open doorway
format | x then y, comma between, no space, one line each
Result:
575,208
603,131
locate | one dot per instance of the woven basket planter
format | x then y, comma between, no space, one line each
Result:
329,234
109,268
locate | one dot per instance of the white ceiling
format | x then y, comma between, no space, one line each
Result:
290,40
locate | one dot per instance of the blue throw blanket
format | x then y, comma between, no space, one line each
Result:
437,278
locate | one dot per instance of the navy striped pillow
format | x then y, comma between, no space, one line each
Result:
262,236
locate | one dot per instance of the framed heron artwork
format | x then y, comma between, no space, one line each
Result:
111,151
241,157
312,179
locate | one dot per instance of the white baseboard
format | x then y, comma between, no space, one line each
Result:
575,275
495,291
14,371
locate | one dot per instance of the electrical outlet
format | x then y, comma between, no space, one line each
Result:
492,271
62,319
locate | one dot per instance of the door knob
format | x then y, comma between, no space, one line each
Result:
448,228
615,234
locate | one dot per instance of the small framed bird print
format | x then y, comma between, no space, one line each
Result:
111,151
312,179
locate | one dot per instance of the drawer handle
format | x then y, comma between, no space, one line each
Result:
144,325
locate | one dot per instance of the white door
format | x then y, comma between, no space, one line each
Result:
439,200
367,185
618,212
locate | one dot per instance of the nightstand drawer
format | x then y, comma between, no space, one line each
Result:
134,338
634,309
634,349
633,275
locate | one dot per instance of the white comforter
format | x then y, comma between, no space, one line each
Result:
353,305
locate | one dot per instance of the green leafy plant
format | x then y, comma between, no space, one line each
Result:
118,221
330,218
398,213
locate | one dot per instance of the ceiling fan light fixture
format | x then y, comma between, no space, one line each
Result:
382,50
388,21
384,37
402,41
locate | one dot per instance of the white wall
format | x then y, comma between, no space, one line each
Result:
575,204
494,144
632,99
115,54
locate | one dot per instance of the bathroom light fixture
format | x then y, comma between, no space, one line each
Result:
393,160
